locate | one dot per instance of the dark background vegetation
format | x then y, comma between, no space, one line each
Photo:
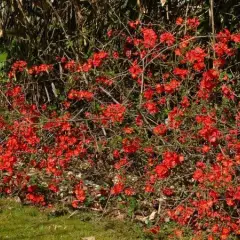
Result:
40,30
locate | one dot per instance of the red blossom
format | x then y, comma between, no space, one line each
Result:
131,145
98,58
193,22
162,171
129,191
113,113
134,24
167,38
151,107
80,95
117,188
149,37
104,81
160,129
222,49
135,70
224,36
172,86
168,191
182,73
185,102
227,92
196,55
80,192
179,21
121,163
236,37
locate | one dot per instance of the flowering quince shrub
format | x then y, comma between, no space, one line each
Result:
156,121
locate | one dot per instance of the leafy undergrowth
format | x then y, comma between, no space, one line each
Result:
28,222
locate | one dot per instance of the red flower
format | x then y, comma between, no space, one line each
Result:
114,113
174,118
53,188
227,92
128,130
162,101
131,145
149,37
172,159
178,52
159,88
151,107
75,203
109,33
115,55
149,188
117,188
129,191
18,66
215,228
209,80
161,129
225,233
98,58
80,193
196,55
236,37
180,72
179,21
219,63
205,149
199,66
154,230
167,38
134,24
104,80
80,95
210,134
198,175
193,22
185,102
116,153
224,36
34,198
148,94
168,191
172,86
121,163
135,70
14,92
162,171
236,195
139,120
35,70
222,49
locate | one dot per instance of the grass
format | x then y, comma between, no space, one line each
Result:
27,222
19,222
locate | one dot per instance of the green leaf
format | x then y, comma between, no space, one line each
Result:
3,57
229,75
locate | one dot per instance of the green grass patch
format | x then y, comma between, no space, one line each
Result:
28,222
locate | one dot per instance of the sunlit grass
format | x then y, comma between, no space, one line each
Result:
27,222
19,222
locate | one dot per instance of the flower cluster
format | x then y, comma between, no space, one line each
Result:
79,95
